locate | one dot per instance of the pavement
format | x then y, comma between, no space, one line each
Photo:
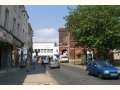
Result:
7,71
39,76
18,76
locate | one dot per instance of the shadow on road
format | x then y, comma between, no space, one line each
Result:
13,78
18,77
38,69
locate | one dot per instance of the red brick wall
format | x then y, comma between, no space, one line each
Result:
75,50
75,53
62,48
63,36
63,39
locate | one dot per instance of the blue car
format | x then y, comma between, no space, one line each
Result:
102,69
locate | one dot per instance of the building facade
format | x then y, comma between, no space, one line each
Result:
13,32
79,53
76,51
63,40
45,49
30,42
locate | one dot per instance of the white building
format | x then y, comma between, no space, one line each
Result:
45,49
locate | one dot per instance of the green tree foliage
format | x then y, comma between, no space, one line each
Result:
95,26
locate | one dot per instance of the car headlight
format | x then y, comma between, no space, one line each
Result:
119,71
106,72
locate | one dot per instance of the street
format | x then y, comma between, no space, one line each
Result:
66,75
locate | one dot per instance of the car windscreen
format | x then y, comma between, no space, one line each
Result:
103,63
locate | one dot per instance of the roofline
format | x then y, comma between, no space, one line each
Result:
44,42
24,10
30,26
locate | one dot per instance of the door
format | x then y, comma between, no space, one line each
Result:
94,69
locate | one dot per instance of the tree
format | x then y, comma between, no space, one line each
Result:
96,26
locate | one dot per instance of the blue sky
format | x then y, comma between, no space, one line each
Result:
42,16
46,20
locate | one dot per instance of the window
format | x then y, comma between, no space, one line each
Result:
38,50
51,50
18,26
6,18
45,50
48,50
41,50
14,23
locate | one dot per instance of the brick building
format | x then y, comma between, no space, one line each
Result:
76,53
63,40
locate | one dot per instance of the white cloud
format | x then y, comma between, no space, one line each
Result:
45,35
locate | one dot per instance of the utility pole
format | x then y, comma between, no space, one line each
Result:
68,45
74,54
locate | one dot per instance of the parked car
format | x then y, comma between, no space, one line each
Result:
54,63
102,69
64,59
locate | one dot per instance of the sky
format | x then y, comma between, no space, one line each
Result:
46,20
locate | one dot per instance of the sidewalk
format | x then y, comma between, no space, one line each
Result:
72,65
43,78
39,79
6,72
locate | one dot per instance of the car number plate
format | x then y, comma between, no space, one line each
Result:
52,62
114,74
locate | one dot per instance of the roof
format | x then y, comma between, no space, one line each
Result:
62,29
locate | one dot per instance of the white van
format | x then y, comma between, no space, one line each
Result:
64,59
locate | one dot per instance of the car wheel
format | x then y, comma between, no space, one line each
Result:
100,76
50,67
58,66
88,72
118,77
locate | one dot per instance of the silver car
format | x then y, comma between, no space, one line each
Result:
54,64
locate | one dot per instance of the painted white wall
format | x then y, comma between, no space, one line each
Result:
45,45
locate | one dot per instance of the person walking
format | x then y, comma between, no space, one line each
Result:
28,63
34,59
44,62
28,66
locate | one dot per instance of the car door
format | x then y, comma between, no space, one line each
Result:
90,67
94,69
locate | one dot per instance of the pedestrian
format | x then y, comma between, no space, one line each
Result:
28,66
28,63
34,59
44,62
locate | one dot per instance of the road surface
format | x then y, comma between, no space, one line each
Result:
66,75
